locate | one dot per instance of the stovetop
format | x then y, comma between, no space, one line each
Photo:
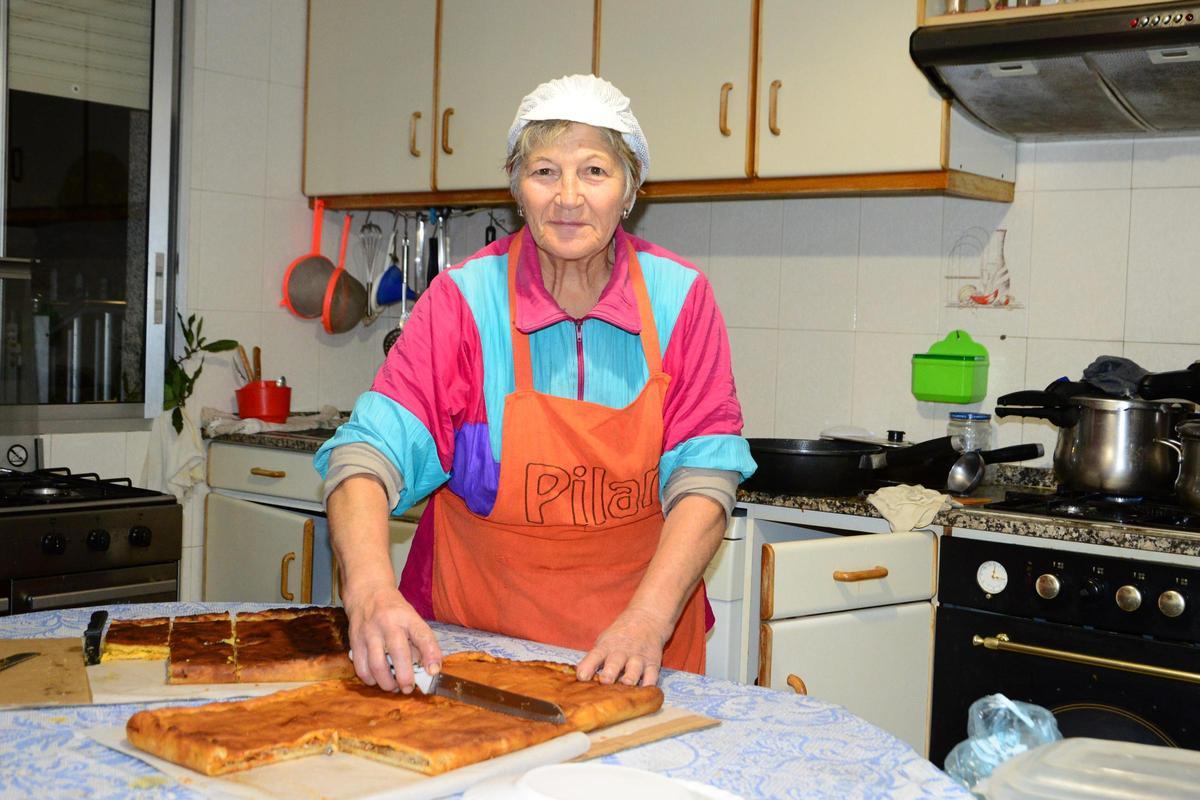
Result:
1145,512
44,489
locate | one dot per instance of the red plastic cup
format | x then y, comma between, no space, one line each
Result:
264,400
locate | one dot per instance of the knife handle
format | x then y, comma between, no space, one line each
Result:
423,680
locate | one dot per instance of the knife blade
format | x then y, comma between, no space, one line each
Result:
14,659
91,638
453,687
483,696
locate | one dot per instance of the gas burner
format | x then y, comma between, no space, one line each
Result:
26,491
1121,509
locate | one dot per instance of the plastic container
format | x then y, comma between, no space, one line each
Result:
264,400
954,370
974,428
1082,767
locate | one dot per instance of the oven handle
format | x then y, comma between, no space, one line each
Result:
37,602
1001,642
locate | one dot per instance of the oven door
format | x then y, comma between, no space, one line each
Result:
146,584
1087,696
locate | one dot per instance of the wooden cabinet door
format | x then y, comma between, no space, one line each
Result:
680,62
876,662
492,55
257,553
369,111
847,97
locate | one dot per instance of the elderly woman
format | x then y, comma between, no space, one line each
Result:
566,396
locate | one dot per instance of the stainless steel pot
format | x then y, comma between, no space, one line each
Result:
1187,448
1113,445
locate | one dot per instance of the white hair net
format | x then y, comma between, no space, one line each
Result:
587,99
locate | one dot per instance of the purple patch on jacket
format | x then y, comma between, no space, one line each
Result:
475,475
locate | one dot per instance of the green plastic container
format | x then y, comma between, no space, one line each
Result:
954,370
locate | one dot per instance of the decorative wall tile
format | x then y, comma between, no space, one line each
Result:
1157,357
136,444
285,115
682,228
883,386
101,453
232,144
287,235
230,253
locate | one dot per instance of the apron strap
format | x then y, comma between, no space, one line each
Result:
522,361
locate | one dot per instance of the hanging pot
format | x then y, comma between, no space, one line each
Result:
307,277
345,300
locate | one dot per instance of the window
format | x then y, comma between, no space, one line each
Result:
87,110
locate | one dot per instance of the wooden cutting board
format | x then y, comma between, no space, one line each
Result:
55,677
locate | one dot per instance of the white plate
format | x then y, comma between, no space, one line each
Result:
592,782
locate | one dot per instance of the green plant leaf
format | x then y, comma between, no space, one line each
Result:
220,346
177,420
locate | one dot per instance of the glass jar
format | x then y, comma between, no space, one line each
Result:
974,428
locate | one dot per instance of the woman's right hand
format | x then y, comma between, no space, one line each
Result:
383,623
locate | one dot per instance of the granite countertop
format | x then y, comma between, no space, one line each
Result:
1009,477
980,518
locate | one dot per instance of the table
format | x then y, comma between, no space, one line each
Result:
769,744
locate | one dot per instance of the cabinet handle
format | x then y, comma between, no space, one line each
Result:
723,120
773,108
283,577
412,134
797,685
874,574
1002,643
262,472
446,148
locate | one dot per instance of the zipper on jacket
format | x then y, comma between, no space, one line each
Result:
579,355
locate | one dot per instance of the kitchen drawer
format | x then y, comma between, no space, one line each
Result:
845,572
264,470
874,661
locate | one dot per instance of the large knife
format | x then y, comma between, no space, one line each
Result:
483,696
91,637
453,687
15,658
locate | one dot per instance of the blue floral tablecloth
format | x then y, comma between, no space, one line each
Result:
769,744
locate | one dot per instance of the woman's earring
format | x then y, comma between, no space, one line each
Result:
520,211
625,214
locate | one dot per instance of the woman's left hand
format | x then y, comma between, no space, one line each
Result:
629,650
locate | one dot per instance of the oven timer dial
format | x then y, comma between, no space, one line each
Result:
992,577
139,536
1171,603
54,544
98,539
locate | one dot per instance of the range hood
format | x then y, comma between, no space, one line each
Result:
1085,73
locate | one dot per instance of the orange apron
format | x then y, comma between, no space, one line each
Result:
577,516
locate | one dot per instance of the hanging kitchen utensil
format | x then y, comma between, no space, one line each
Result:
389,289
345,297
370,240
307,277
433,261
394,334
416,273
968,471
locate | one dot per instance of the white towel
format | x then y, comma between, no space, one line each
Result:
174,462
217,423
907,508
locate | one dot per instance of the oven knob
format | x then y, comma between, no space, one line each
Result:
1129,598
53,544
1171,603
139,536
1047,586
98,539
1092,591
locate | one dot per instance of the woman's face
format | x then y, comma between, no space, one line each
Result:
572,192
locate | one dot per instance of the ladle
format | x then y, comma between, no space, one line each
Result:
968,471
394,333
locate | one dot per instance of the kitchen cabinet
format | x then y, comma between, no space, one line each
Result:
687,66
490,56
842,610
266,535
748,99
369,111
